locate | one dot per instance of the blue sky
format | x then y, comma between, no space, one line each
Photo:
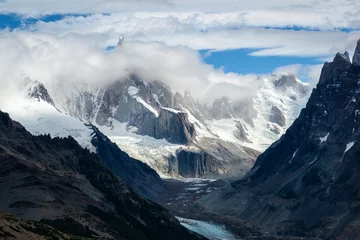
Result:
240,61
12,21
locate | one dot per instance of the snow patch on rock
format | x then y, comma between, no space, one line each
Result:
324,139
132,91
349,146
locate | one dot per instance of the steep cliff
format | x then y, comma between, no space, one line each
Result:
143,179
306,183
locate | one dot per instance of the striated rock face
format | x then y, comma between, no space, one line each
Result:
241,133
171,125
143,179
141,105
194,164
69,188
307,183
276,116
211,158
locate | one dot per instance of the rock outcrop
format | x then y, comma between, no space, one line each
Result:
170,124
276,116
356,57
241,133
194,163
211,158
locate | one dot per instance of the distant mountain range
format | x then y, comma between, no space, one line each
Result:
172,133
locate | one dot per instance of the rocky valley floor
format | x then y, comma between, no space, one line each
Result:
180,197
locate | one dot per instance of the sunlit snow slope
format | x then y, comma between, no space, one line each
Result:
39,117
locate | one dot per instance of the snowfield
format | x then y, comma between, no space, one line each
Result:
260,133
154,152
39,117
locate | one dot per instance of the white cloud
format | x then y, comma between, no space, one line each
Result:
62,62
322,14
204,31
162,38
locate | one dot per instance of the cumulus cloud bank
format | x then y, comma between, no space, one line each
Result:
163,36
216,31
62,62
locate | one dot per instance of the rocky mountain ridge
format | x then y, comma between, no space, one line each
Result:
306,183
58,183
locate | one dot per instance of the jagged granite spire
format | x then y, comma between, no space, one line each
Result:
347,56
356,57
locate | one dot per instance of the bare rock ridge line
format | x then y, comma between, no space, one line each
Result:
306,184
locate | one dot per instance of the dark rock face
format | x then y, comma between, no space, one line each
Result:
193,164
172,126
143,179
276,116
307,183
70,189
211,158
356,57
